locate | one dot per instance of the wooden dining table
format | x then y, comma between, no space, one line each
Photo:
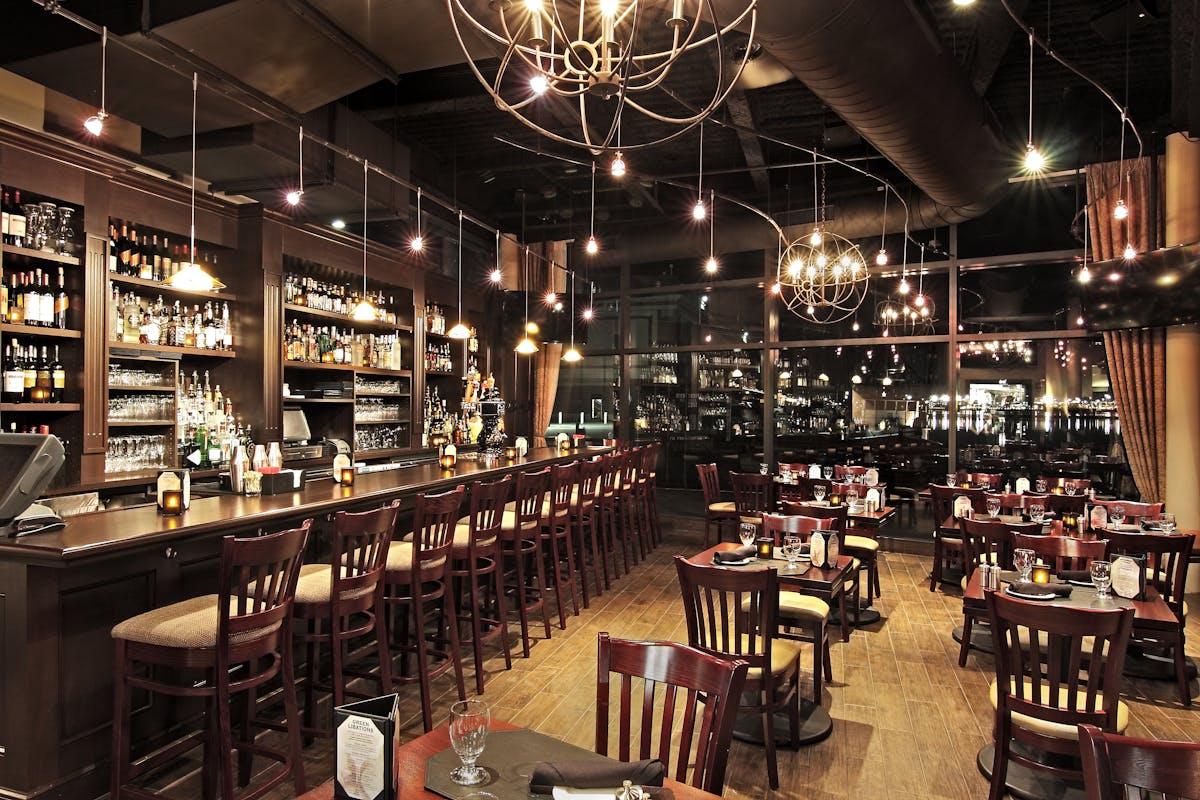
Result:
410,760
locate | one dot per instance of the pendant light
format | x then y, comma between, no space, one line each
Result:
417,243
712,265
497,275
572,355
1085,274
193,277
459,331
364,311
592,245
1034,160
698,210
293,197
526,346
881,258
95,123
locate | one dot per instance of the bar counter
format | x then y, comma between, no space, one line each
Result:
61,593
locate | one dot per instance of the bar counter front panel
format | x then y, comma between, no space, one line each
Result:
62,592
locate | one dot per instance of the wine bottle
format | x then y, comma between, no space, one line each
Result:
47,297
145,260
124,251
61,302
4,219
156,259
113,247
29,373
14,374
16,222
58,378
43,384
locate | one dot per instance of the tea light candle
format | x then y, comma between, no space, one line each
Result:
1041,574
966,484
189,340
447,462
510,453
765,546
1070,521
564,445
835,499
347,476
1056,490
327,357
40,394
172,502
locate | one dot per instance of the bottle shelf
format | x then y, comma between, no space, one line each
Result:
39,255
317,366
398,373
159,286
33,330
134,388
121,348
345,319
141,423
318,400
362,422
35,408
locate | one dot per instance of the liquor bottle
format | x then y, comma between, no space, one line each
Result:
14,374
124,251
155,259
61,302
4,218
43,382
3,296
135,253
16,222
58,378
16,302
113,247
47,297
145,260
29,374
32,301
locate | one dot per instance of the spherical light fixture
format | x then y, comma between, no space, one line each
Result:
881,258
856,379
95,123
496,276
416,244
293,197
699,212
711,266
551,298
1130,252
338,224
539,85
1085,274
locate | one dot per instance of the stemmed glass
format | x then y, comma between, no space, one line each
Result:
1071,489
469,722
818,492
951,479
1023,561
993,506
1101,577
791,550
827,472
1116,514
1166,523
1037,512
1042,485
851,495
746,533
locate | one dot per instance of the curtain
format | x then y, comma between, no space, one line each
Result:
545,277
1137,362
1105,186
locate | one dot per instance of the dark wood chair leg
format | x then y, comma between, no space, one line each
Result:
501,610
1185,691
225,769
1000,761
768,718
291,711
418,612
450,616
521,595
935,575
121,724
245,757
381,643
965,645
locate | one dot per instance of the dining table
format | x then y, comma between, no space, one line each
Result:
412,758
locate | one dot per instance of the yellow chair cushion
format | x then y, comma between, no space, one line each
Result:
750,520
796,606
860,543
1055,729
785,656
722,508
964,581
400,558
315,583
190,624
509,522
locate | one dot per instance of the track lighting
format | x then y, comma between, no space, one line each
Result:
95,123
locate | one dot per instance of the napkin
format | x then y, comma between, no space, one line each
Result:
740,554
1081,575
1029,587
592,774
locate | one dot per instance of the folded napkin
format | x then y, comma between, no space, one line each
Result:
1029,587
1081,575
594,774
725,556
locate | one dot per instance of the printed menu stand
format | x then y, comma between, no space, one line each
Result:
364,751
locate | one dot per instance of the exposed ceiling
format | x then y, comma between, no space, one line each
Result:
387,79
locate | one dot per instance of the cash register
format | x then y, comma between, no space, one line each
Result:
28,462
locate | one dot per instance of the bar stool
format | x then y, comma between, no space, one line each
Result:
247,622
606,499
521,543
649,475
556,535
584,519
415,577
348,603
624,506
716,510
476,570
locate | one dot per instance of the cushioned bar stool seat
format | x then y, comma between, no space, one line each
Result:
190,624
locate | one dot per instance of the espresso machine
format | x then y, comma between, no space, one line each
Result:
492,438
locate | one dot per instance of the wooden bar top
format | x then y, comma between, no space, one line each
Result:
106,533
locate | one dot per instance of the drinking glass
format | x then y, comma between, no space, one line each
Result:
1101,576
1116,514
818,492
1166,522
993,506
791,550
764,469
1041,485
827,472
851,495
1071,489
1037,512
785,473
951,479
746,533
469,721
1023,561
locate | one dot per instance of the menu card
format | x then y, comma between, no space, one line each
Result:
364,750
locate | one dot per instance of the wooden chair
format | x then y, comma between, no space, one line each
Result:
348,604
557,534
734,613
416,576
585,518
858,548
753,495
716,511
476,567
1134,512
947,548
1116,767
705,713
1064,503
629,527
993,481
1041,694
1167,558
1066,552
606,501
521,541
247,622
647,491
983,542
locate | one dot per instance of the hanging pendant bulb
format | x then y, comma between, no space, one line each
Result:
417,243
364,311
1130,252
617,168
193,277
881,258
294,195
572,355
459,331
527,346
1085,274
855,326
711,266
592,246
1034,160
699,212
903,287
815,237
1121,211
95,123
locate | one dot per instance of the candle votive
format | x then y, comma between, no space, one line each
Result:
835,500
172,502
510,453
765,545
447,461
347,478
252,483
1041,574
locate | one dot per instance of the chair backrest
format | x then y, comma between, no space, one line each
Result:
648,465
1009,501
1064,503
609,476
531,495
590,475
710,483
360,545
629,468
837,515
1167,558
1048,677
990,480
794,467
1133,511
434,520
563,478
706,710
752,492
943,500
840,472
486,517
730,612
1067,552
985,542
1116,767
257,586
778,526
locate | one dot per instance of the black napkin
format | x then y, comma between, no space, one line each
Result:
725,556
1080,575
592,774
1029,587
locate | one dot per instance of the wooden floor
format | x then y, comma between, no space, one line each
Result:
908,722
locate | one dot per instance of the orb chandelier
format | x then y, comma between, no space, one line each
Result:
605,58
822,277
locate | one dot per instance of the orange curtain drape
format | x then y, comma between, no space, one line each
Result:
1137,364
1106,184
546,277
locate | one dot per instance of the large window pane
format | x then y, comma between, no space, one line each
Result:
1030,297
588,390
714,316
693,270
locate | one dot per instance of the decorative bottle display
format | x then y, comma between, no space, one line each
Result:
151,256
328,344
435,319
438,357
208,430
31,376
33,298
137,320
338,298
462,426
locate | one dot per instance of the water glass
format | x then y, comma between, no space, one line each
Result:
1116,514
1023,561
1037,512
993,506
785,473
791,550
1166,523
827,472
747,533
764,469
469,722
1101,577
1042,486
818,492
1071,489
851,495
951,479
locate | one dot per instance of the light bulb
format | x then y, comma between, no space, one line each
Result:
459,331
1114,276
711,265
1130,253
293,197
587,314
533,5
699,211
856,379
551,298
1079,322
903,287
919,300
338,224
815,238
497,276
572,355
964,2
887,380
363,311
593,246
855,326
531,327
1034,160
881,258
526,347
539,84
737,373
1085,274
416,244
608,7
823,377
776,288
811,311
1121,211
618,166
95,123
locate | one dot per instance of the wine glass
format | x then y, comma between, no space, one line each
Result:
1037,512
1116,514
993,506
827,472
1166,523
791,550
1101,576
469,721
1042,485
785,473
951,479
1071,489
764,469
746,533
1023,561
851,495
818,492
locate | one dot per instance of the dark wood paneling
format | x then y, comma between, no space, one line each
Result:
95,356
28,170
154,208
